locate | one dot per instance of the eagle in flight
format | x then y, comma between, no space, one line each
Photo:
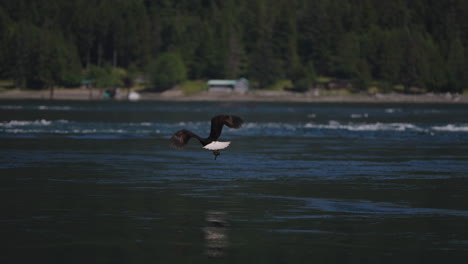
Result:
180,138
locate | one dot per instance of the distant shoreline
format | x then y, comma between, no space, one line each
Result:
80,94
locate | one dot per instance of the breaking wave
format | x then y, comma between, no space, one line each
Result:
54,108
150,129
452,128
335,125
22,123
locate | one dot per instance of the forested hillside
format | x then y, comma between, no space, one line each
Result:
421,43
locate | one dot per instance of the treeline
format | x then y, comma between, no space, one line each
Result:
411,43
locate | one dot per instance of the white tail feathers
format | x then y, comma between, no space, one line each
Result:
217,145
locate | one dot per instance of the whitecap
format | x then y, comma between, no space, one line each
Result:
84,131
146,124
270,125
54,108
14,123
359,115
392,110
365,126
451,128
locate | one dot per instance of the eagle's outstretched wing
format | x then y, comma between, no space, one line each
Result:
180,138
217,123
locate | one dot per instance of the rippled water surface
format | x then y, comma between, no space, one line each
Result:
96,182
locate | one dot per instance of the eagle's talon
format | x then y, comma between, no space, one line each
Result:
216,153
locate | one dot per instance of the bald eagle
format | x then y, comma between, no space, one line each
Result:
180,138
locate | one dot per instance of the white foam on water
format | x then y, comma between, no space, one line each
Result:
82,131
365,115
452,128
22,131
39,122
201,128
143,124
54,108
392,110
270,125
335,125
14,123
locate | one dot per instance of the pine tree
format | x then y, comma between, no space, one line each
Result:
265,65
6,26
456,66
348,56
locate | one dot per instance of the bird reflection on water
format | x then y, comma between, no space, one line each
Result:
216,235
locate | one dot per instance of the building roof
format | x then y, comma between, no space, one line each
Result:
222,82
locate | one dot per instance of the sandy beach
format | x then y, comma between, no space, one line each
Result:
255,96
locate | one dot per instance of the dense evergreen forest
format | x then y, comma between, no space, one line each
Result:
409,43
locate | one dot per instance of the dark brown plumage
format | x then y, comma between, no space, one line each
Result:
180,138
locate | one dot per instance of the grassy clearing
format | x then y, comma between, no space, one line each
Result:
192,87
4,84
323,79
138,88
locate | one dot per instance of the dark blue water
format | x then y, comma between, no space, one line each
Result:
96,182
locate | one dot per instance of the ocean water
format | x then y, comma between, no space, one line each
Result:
97,182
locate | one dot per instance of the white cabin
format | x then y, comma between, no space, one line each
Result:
238,86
